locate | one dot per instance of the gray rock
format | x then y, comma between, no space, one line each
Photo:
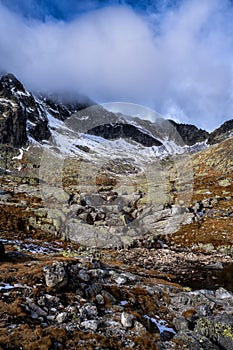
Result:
109,296
222,293
100,299
219,330
83,275
90,325
35,309
127,320
61,317
139,328
55,275
88,312
195,341
180,323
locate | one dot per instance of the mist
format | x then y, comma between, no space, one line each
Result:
178,61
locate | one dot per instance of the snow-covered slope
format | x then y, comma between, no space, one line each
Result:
87,130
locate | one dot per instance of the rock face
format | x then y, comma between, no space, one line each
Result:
118,130
221,133
12,116
22,114
20,111
190,134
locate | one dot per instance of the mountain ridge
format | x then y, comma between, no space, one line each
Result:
24,115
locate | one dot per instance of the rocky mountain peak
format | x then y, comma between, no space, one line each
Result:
221,133
9,83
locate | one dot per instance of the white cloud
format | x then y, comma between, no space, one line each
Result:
113,54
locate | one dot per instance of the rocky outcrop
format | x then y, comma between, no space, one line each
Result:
118,130
24,115
12,116
63,108
20,111
221,133
190,134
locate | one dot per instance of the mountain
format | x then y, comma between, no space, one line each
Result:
25,116
223,132
115,231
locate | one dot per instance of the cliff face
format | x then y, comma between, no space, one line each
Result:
190,134
12,116
24,115
20,111
117,130
221,133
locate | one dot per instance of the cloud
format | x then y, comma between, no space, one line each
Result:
177,61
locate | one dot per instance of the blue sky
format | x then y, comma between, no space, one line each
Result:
173,56
69,9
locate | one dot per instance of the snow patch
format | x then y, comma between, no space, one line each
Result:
20,156
161,324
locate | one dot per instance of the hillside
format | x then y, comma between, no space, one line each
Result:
116,232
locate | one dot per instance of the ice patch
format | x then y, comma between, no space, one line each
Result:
20,156
161,324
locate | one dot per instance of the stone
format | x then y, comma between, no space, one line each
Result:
61,317
222,293
55,275
127,320
218,330
88,312
83,275
100,299
90,325
180,323
139,328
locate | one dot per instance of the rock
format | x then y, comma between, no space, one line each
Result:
219,330
93,290
127,320
88,312
166,335
190,134
215,266
194,341
35,309
90,325
109,297
222,293
100,299
118,130
83,275
225,182
139,328
55,275
61,317
180,323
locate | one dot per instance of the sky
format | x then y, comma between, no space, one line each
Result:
173,56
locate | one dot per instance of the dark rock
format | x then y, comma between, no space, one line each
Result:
195,341
190,134
166,335
12,114
118,130
88,312
221,133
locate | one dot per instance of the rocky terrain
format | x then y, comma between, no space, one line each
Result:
116,233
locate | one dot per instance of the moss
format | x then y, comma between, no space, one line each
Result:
227,332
